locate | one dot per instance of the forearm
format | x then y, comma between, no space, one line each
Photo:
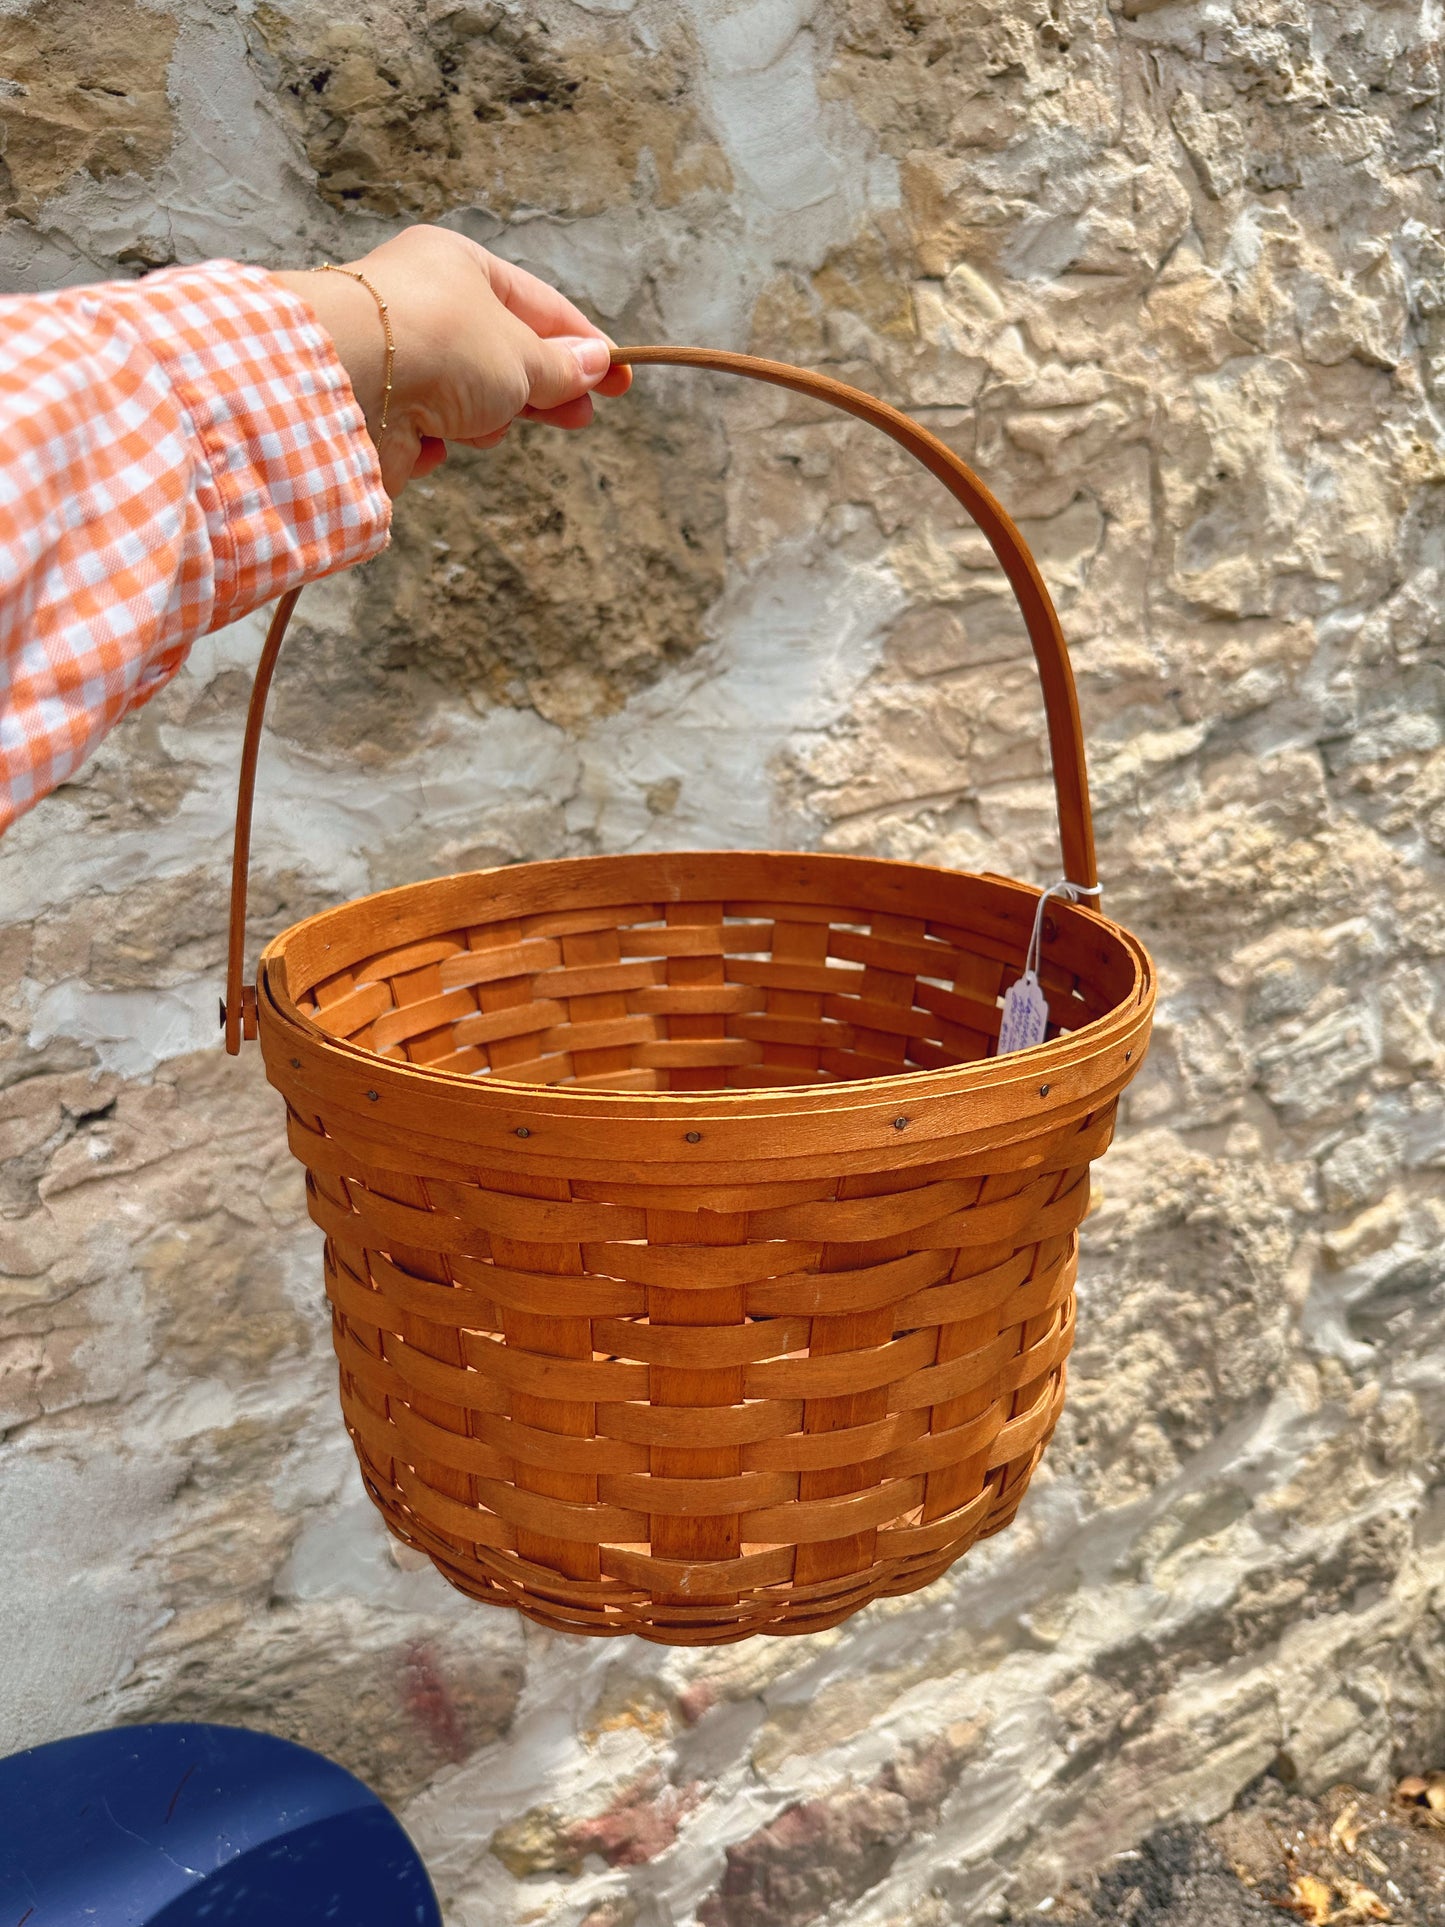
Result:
173,452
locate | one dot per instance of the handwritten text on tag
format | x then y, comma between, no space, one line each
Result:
1025,1015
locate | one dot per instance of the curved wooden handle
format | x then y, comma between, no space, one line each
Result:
1061,702
238,1007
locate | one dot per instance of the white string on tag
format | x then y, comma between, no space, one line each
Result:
1025,1019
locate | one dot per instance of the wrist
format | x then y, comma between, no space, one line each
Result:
349,316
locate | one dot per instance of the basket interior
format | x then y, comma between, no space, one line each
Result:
703,993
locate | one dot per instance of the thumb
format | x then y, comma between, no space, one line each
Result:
563,367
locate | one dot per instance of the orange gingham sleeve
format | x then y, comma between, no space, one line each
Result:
173,453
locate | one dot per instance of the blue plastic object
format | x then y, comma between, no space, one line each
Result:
199,1826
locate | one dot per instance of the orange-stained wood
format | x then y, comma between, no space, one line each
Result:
697,1270
693,1363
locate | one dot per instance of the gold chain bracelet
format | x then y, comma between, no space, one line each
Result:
328,267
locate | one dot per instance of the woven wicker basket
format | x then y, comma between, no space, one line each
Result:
696,1270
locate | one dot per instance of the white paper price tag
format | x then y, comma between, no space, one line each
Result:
1025,1015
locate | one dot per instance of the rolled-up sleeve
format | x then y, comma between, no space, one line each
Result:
173,453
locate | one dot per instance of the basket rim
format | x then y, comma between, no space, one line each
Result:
1056,1056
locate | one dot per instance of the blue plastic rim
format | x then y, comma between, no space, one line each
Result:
199,1826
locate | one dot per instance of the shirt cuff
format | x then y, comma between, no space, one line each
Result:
291,486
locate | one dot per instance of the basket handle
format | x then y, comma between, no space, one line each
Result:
1061,702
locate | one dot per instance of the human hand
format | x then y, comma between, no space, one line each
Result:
478,344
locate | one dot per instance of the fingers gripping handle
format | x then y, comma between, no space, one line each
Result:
1061,704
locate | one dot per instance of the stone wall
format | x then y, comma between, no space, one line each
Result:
1172,278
